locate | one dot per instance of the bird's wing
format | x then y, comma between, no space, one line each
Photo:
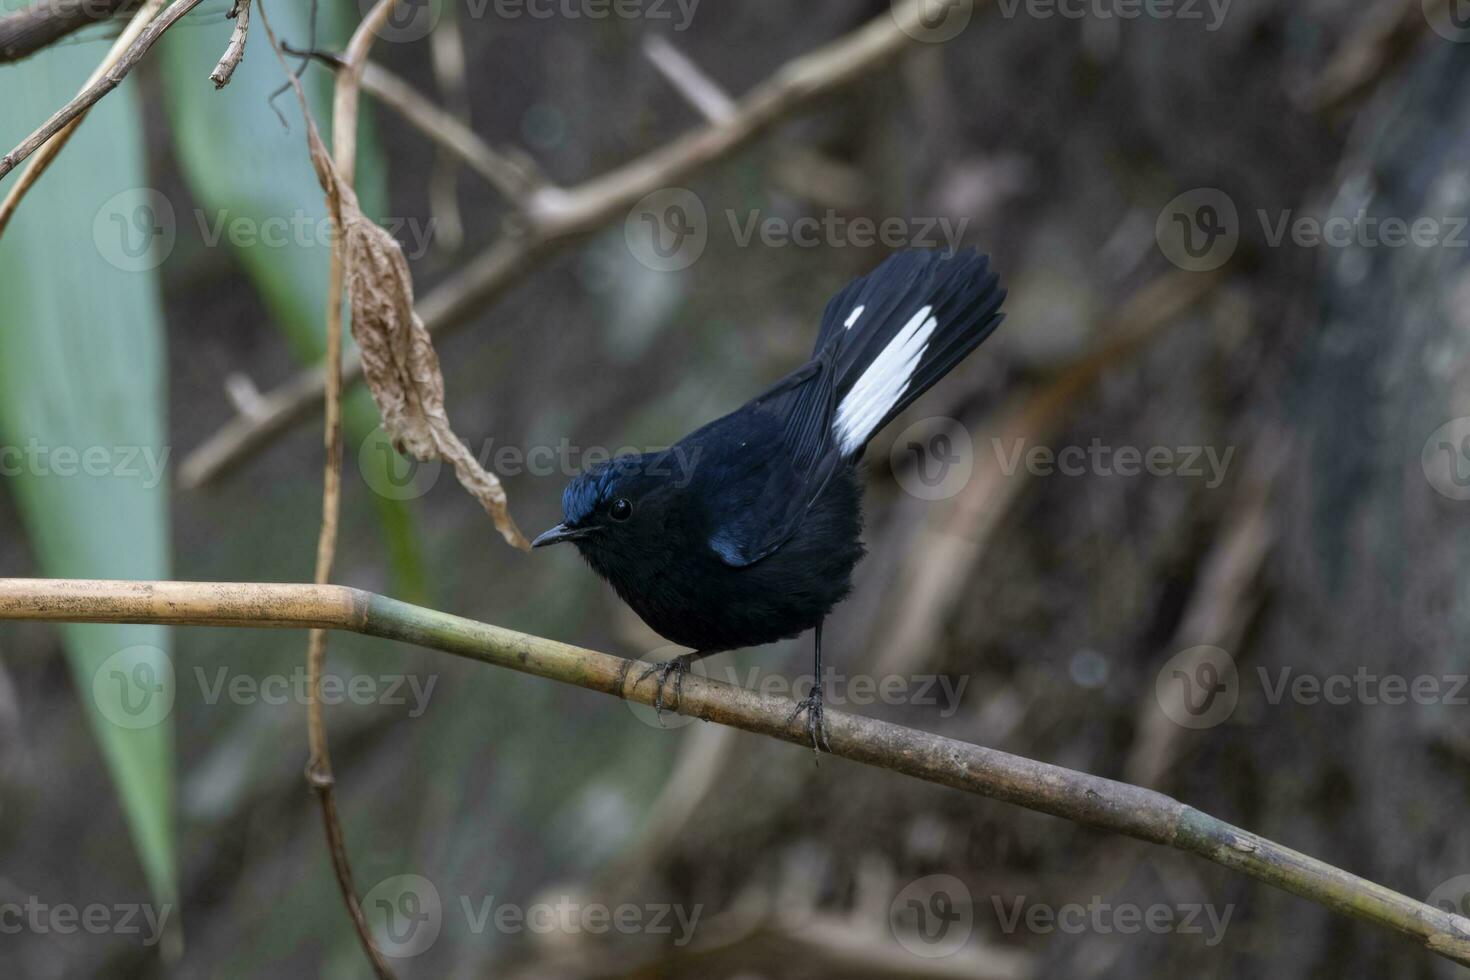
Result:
788,467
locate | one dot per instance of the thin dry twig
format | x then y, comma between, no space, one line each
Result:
507,175
1379,43
688,79
1082,798
512,177
235,50
27,31
447,52
555,217
335,180
48,152
93,93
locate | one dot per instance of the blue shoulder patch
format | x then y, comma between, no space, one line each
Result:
727,546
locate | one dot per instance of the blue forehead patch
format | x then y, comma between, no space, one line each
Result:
599,484
580,498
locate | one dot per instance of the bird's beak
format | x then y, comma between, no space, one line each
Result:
561,533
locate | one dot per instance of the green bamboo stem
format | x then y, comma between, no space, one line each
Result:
1076,796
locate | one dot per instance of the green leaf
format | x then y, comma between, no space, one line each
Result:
258,196
82,413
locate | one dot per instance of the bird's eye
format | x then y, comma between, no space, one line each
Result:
620,509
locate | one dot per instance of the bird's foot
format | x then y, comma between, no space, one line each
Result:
816,722
678,667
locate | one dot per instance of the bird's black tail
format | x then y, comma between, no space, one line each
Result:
899,329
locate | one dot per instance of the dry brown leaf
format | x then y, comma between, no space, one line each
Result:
398,358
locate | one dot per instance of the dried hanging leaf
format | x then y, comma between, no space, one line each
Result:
398,358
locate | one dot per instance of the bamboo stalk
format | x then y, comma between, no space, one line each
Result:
1076,796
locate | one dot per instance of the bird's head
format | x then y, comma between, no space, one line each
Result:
616,509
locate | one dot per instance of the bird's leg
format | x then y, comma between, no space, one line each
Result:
679,666
816,722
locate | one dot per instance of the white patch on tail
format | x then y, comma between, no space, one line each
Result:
883,383
853,316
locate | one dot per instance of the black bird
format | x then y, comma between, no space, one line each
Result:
747,531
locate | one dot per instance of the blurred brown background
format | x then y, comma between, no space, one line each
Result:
1329,542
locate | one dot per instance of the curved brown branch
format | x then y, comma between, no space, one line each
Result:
1103,803
93,93
235,50
344,161
38,164
27,31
